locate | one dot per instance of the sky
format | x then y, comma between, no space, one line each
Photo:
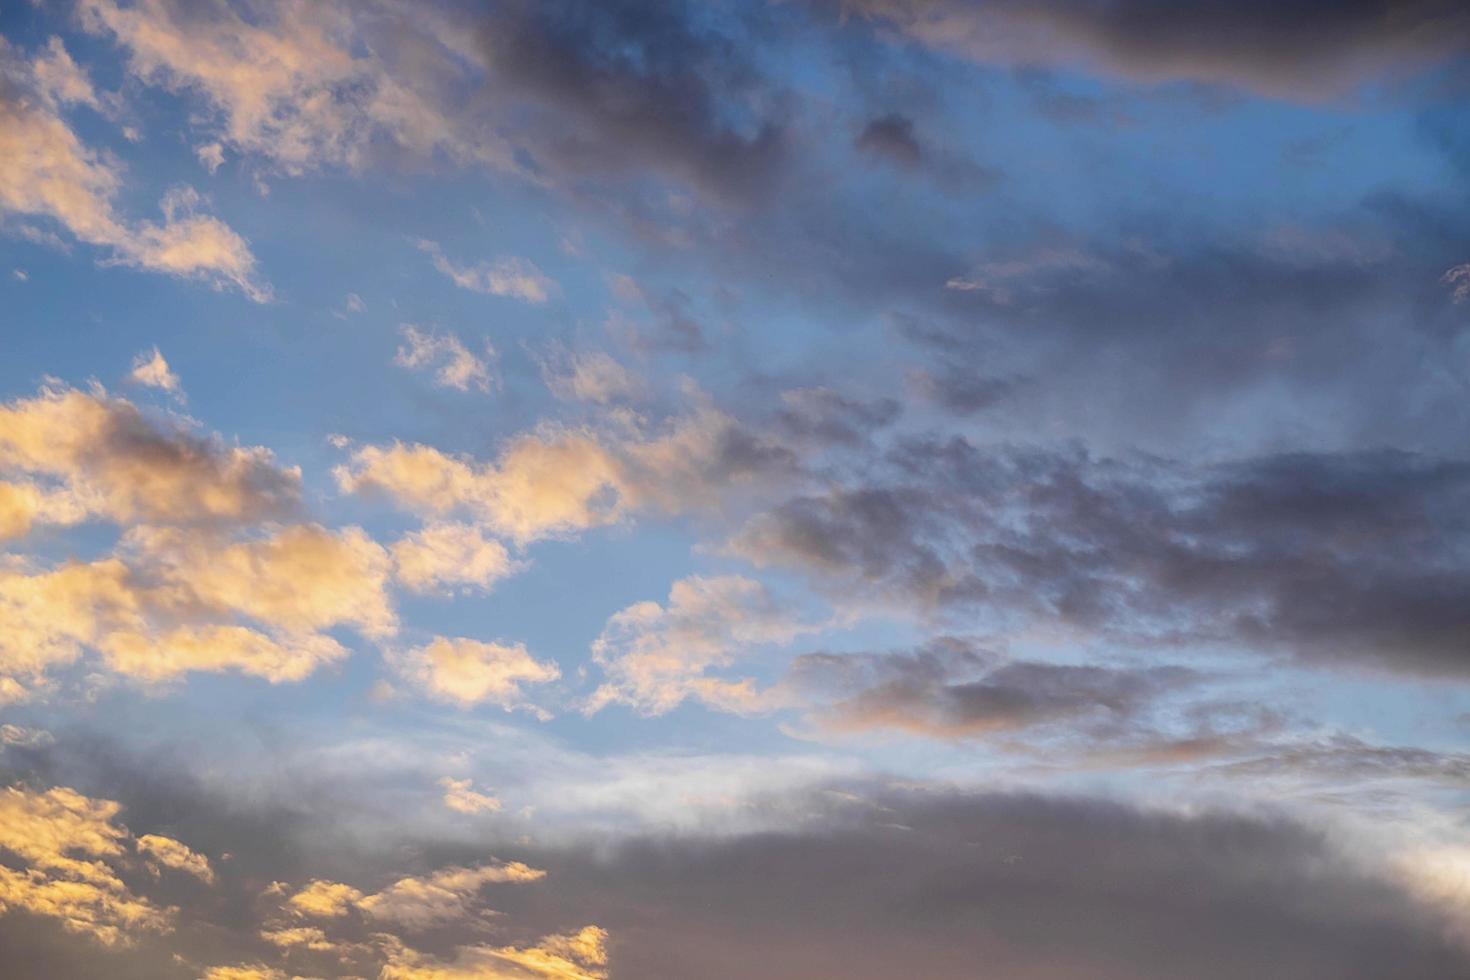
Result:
813,488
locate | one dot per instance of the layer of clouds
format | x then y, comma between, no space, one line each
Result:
876,880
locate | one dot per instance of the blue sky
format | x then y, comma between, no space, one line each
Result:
564,458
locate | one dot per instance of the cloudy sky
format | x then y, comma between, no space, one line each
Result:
813,488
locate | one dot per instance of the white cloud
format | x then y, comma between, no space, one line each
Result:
152,371
445,555
514,277
453,364
46,172
589,376
1458,279
469,672
656,656
461,797
211,156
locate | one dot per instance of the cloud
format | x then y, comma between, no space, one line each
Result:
172,854
444,555
556,480
211,156
930,883
656,656
287,84
325,899
453,364
23,505
1297,50
1348,557
515,278
47,172
461,797
552,93
891,137
542,484
444,896
252,971
152,371
470,672
1458,279
948,689
63,841
588,376
172,602
300,578
416,903
578,956
113,462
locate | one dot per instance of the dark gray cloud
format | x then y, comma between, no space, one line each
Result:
934,884
891,137
949,689
626,86
1355,557
823,417
1302,49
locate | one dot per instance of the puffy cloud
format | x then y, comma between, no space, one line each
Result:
150,616
116,463
47,172
23,505
445,555
453,364
559,480
542,484
173,854
513,277
152,371
325,899
1299,49
461,797
63,841
299,579
656,656
469,672
163,656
